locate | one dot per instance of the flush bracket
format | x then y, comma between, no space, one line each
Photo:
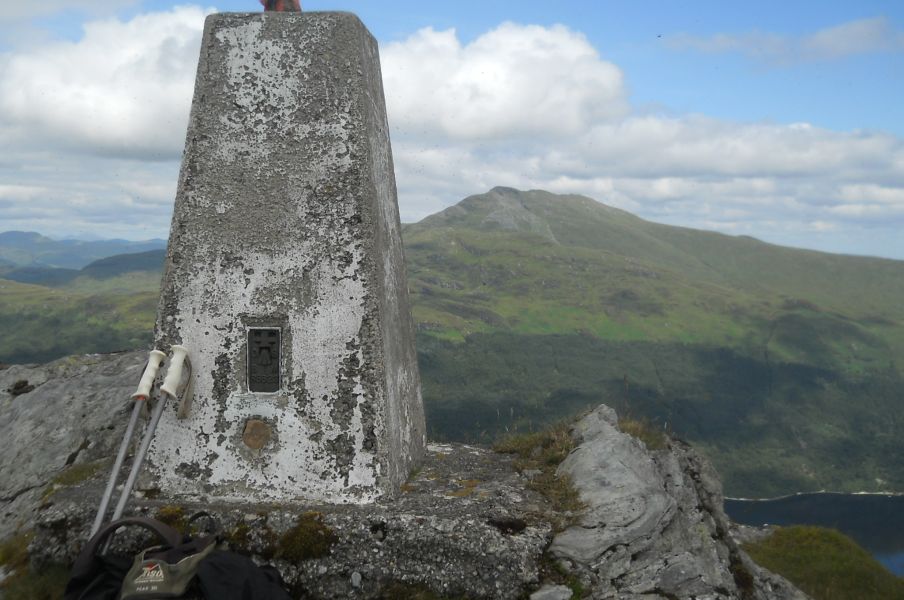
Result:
264,359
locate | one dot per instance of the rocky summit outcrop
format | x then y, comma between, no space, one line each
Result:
469,523
654,523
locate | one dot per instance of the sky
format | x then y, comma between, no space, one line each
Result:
779,120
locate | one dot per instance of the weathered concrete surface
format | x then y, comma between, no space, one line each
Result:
654,526
286,217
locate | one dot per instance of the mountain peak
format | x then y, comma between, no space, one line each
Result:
500,209
568,219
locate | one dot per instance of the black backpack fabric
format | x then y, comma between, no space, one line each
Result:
230,576
221,575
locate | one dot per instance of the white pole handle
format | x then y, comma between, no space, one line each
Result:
174,372
155,359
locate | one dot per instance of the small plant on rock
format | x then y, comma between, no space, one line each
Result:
651,436
540,454
174,516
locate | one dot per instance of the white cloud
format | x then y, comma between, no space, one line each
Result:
863,36
855,37
876,211
21,193
62,195
873,193
823,226
123,89
515,80
658,146
522,106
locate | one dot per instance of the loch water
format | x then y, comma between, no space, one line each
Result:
875,521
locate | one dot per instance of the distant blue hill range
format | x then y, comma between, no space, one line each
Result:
29,257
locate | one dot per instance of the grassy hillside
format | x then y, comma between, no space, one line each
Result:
785,365
39,324
107,305
826,564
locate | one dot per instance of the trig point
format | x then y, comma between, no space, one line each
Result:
285,276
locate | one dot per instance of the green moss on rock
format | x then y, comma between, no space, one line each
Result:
47,584
174,516
22,583
14,551
72,475
309,538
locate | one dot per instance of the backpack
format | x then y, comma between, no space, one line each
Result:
182,567
97,576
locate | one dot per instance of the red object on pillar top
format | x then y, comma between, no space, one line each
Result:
282,5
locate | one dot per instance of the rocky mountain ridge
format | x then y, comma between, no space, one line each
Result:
467,524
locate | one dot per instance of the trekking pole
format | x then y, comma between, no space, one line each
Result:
168,389
155,359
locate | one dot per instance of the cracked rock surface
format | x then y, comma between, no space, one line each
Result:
465,525
75,414
654,526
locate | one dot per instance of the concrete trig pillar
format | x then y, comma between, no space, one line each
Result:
285,275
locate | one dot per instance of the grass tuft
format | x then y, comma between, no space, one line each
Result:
552,571
174,516
22,583
543,451
549,447
651,436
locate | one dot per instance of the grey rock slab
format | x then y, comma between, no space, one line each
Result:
654,526
620,483
552,592
76,414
